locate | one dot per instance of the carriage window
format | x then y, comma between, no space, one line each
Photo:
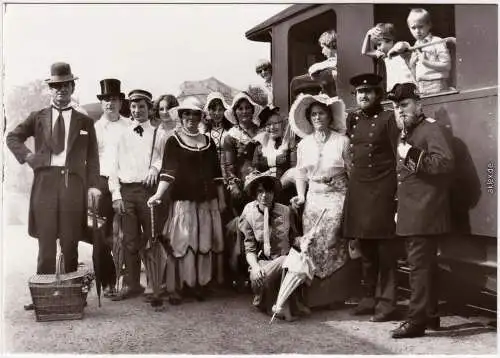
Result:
305,51
431,81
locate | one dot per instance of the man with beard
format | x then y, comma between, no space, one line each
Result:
108,129
65,163
370,201
425,162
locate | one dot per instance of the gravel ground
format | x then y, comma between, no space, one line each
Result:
225,324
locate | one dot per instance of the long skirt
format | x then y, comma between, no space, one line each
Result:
193,232
335,274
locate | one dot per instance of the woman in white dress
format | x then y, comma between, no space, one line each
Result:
322,169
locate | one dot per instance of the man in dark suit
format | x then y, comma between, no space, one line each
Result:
425,162
370,203
65,164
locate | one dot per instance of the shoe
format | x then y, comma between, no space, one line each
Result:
409,329
29,307
109,291
434,323
128,292
362,311
175,299
384,317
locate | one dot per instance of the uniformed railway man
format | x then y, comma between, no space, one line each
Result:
370,202
425,162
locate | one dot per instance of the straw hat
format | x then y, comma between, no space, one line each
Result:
190,103
302,127
229,113
215,95
254,178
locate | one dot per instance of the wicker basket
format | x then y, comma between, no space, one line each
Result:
60,296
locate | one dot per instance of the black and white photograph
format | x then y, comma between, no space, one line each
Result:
240,178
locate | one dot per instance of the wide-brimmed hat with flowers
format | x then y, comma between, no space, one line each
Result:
229,113
302,126
254,178
213,96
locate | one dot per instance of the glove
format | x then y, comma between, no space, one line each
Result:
403,149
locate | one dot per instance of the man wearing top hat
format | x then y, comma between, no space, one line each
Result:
65,163
370,203
108,129
132,180
425,162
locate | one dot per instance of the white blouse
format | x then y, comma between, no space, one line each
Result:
320,161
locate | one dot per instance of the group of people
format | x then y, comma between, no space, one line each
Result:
233,195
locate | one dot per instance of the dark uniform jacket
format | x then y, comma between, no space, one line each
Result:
82,156
423,181
370,202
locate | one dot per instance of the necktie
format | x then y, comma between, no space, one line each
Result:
58,132
277,143
139,130
267,234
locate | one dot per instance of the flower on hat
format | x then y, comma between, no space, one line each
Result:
302,126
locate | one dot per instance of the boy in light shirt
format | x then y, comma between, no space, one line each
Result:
431,64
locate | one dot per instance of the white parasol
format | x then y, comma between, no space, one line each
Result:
299,268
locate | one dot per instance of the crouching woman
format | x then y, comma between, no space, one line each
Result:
267,229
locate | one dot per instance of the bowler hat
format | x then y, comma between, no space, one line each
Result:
60,72
110,87
139,94
366,80
402,91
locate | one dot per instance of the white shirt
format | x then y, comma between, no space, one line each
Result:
397,71
108,133
133,156
435,53
60,159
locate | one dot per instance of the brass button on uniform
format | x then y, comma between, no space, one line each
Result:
370,155
371,134
373,124
370,165
375,116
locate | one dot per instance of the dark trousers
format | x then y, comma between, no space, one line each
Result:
58,204
105,209
379,265
422,254
136,228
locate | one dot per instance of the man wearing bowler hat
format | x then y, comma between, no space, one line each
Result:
65,163
370,201
108,129
424,166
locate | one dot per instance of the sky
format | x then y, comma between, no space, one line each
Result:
155,47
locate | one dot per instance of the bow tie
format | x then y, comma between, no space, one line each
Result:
139,130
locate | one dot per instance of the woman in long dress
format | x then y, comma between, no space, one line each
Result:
276,152
193,228
322,166
217,125
239,146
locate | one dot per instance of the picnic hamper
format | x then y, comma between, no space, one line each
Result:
60,296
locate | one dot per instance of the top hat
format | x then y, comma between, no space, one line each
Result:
366,80
110,87
402,91
60,72
138,94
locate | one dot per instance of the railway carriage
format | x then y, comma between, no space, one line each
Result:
468,256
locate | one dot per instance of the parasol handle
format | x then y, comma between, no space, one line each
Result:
320,217
152,211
